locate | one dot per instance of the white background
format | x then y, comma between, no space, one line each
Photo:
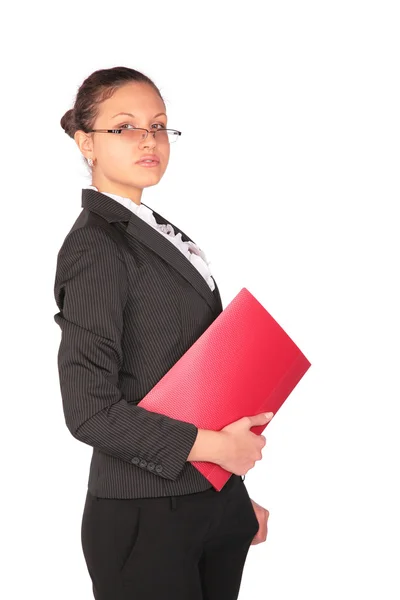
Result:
287,175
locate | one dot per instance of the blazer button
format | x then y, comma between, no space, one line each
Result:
158,468
143,463
150,466
135,460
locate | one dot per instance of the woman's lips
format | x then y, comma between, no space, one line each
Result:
148,164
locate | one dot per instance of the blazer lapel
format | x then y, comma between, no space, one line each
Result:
113,211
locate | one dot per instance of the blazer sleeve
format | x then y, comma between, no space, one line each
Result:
91,288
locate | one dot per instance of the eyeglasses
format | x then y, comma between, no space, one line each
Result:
138,134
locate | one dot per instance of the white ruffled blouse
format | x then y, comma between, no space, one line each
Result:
189,249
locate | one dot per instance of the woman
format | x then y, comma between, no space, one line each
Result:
134,293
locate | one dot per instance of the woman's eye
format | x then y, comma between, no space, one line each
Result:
133,127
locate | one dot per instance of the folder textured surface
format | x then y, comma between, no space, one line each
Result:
243,364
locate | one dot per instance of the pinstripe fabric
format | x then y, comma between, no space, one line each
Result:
130,304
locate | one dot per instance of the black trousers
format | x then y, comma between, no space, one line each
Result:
190,547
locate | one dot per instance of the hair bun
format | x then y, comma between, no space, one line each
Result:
68,122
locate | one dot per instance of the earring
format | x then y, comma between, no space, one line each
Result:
90,162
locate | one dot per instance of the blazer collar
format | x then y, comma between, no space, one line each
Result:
112,211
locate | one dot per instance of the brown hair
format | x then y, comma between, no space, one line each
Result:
96,88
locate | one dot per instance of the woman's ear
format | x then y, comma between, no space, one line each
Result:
84,142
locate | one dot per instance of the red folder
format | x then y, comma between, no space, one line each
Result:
243,364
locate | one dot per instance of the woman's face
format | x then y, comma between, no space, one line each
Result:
115,169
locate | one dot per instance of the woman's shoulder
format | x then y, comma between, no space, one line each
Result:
88,231
89,253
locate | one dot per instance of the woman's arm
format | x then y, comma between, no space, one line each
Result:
91,290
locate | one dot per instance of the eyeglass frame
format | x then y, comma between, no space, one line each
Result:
135,128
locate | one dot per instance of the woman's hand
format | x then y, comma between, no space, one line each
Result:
262,515
241,447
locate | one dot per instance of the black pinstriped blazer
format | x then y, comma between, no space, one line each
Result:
130,304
